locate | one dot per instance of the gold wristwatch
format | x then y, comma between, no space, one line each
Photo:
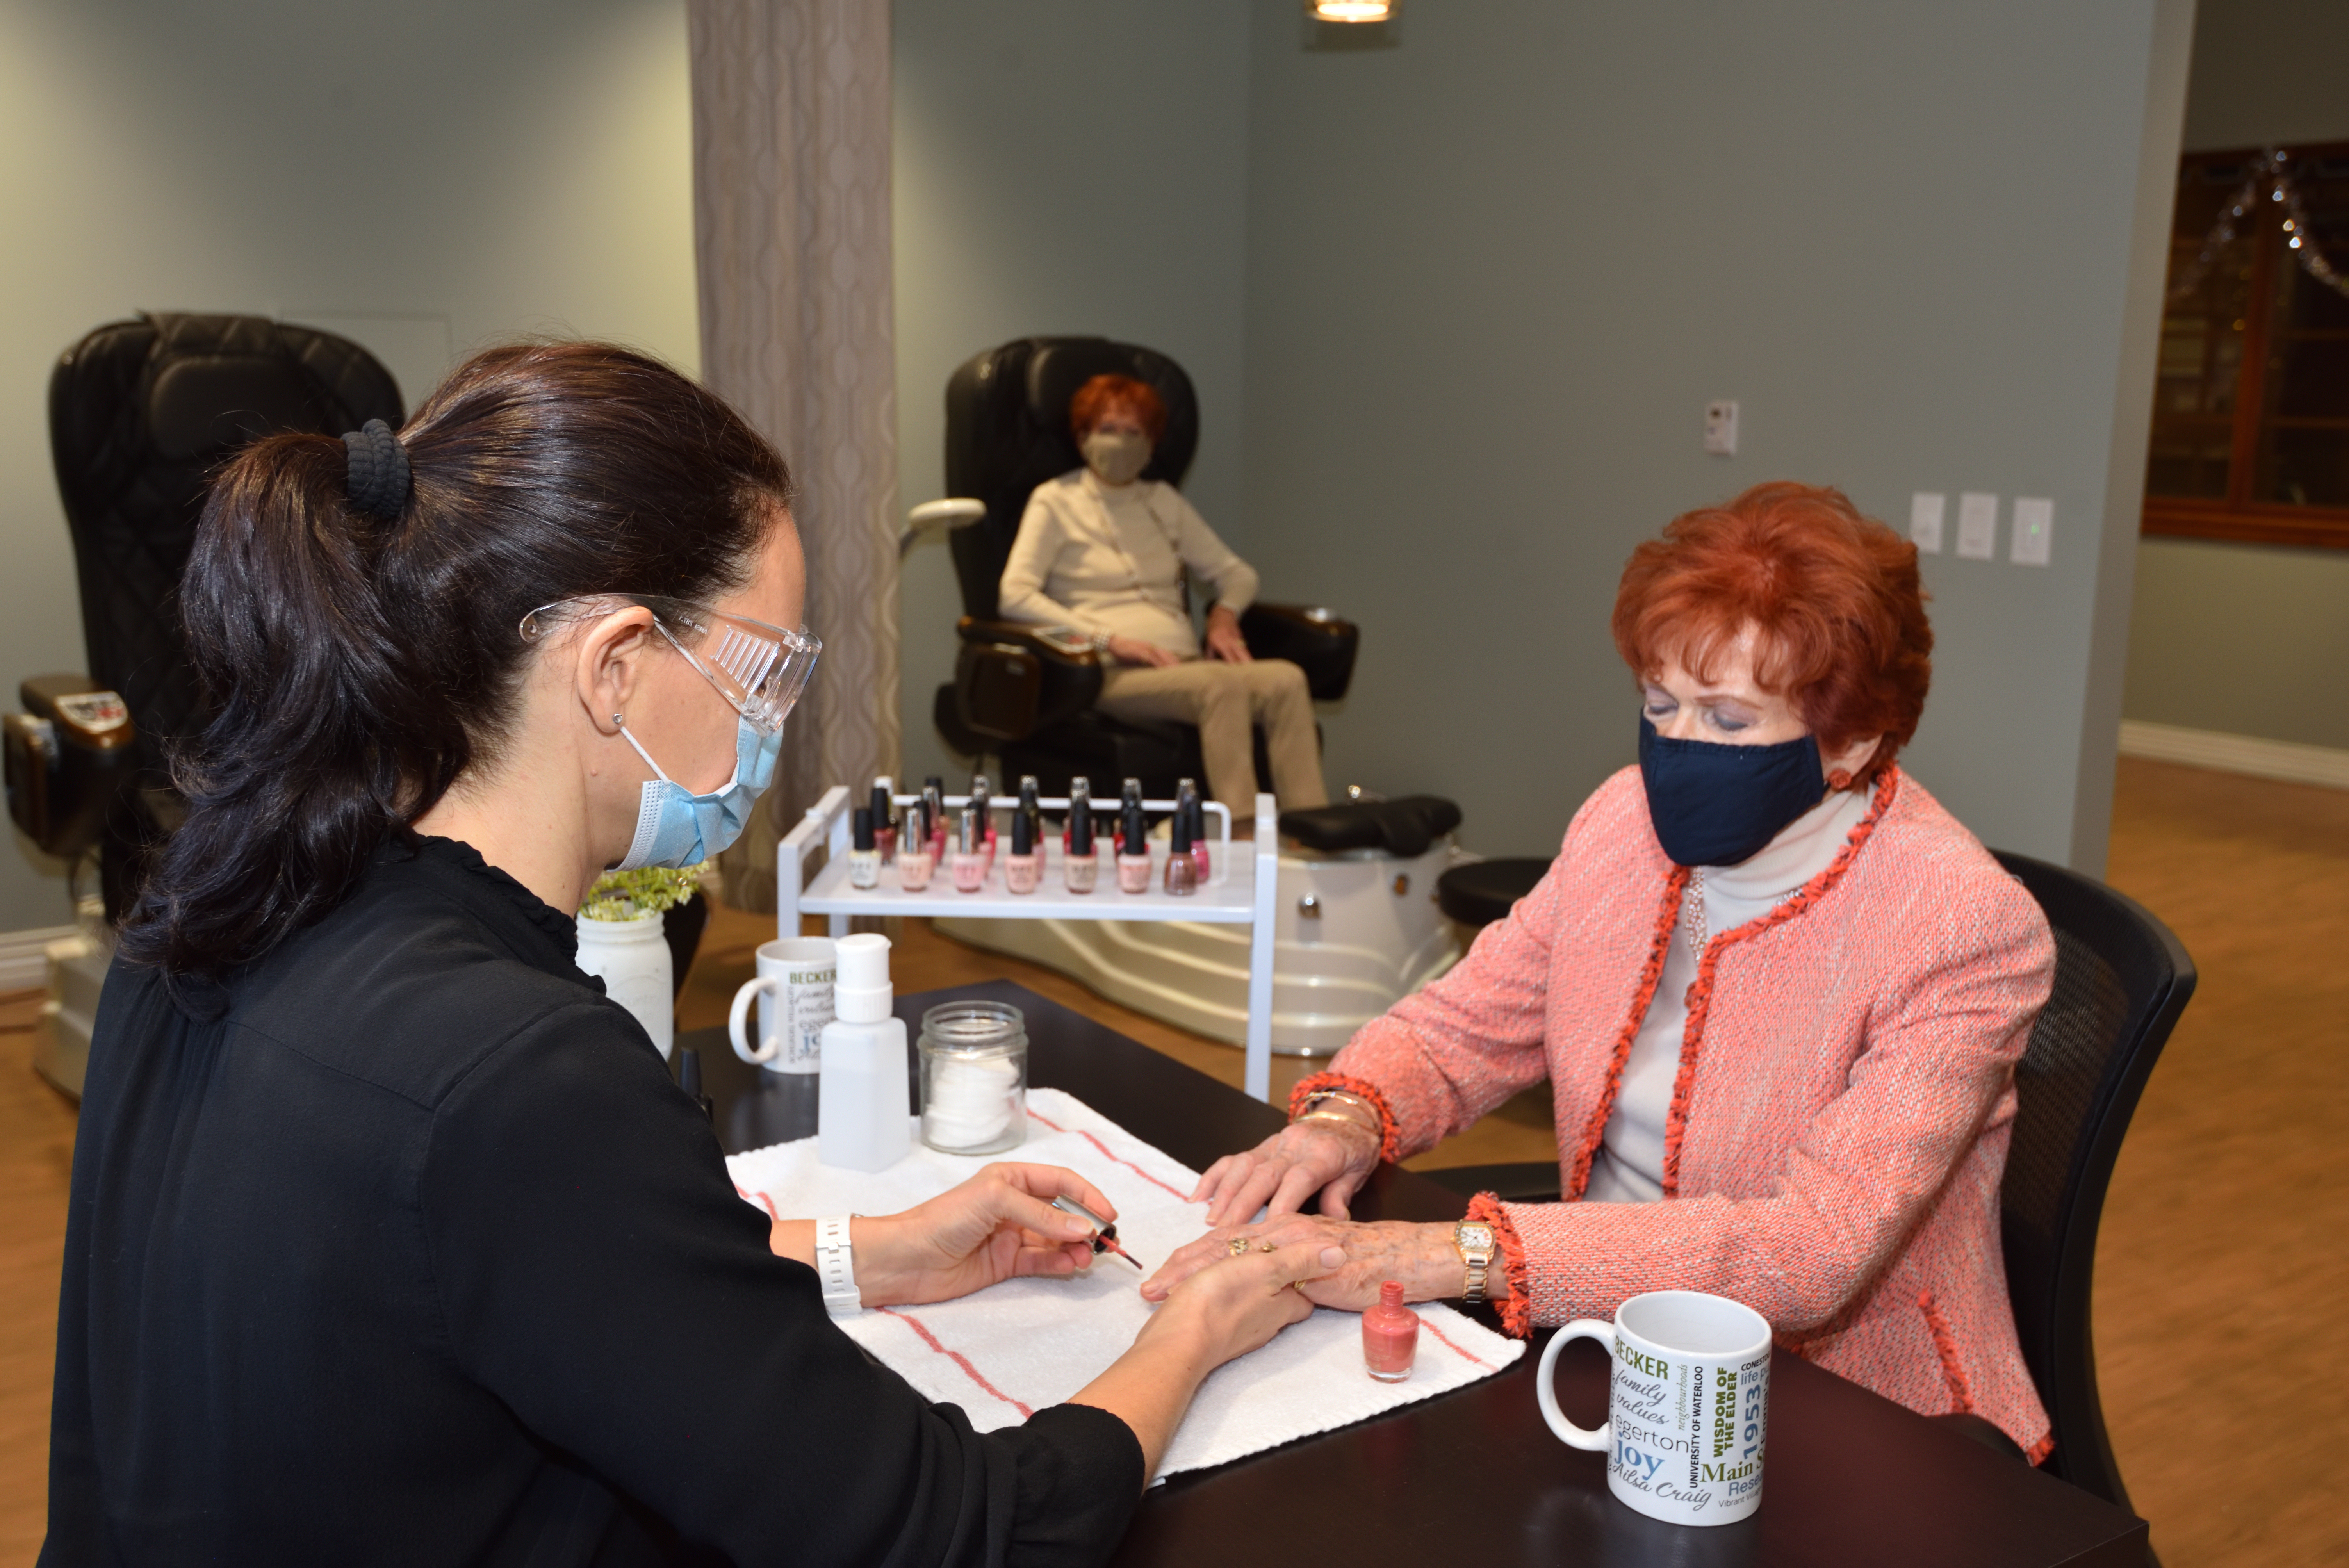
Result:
1476,1244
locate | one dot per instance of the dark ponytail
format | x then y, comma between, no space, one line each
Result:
359,665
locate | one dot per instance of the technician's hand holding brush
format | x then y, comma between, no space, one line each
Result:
1013,1220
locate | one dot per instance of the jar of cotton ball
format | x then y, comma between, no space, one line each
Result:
974,1077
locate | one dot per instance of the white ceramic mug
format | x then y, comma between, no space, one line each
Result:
794,993
1688,1406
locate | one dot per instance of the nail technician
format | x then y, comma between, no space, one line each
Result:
1778,991
391,1242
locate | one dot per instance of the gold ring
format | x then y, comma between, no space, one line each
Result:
1264,1246
1237,1246
1298,1285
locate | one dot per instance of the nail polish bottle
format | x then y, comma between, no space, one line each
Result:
884,818
1191,809
934,812
982,799
1023,864
864,859
968,865
914,857
1132,853
1080,865
1181,871
1031,809
1389,1335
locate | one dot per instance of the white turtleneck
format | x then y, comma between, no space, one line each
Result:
1628,1167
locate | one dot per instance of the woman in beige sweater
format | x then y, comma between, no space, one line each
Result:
1103,550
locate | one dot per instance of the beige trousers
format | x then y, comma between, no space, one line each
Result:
1227,701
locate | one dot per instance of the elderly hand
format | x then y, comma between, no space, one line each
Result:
1287,1168
1135,651
1421,1256
996,1226
1224,639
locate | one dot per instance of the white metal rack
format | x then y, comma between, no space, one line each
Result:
1239,890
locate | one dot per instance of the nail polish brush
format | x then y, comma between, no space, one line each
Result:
1106,1240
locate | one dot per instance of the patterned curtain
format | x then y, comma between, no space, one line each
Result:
791,204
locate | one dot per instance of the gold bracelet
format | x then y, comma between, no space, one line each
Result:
1344,1096
1341,1120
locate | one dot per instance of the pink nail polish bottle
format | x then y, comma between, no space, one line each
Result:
1023,865
1132,853
914,857
1079,863
982,801
1389,1335
968,865
1181,871
1190,809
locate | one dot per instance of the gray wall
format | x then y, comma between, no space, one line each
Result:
2248,639
421,182
2242,639
1495,273
1061,166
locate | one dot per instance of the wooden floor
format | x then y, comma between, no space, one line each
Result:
2220,1323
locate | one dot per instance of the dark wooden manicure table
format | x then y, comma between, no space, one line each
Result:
1474,1477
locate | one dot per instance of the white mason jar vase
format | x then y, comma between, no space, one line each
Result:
631,956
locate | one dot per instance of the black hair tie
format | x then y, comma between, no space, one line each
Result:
378,478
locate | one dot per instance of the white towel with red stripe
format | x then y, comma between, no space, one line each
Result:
1008,1352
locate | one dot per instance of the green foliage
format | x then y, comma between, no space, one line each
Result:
623,895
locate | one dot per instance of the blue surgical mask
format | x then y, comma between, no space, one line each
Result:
676,828
1714,804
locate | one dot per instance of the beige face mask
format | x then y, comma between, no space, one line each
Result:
1117,458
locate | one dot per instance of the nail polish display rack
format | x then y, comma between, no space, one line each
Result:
1239,889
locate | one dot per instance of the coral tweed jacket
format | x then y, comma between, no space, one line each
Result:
1840,1119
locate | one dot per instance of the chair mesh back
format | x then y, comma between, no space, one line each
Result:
2121,980
2058,1082
1008,432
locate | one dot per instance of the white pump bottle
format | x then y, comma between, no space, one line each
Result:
863,1107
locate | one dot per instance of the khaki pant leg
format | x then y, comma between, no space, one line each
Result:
1279,700
1211,695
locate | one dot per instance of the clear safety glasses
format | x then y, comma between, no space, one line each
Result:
760,669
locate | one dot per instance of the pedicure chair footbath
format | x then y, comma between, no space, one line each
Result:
140,412
1358,925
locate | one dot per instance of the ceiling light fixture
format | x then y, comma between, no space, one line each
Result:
1349,10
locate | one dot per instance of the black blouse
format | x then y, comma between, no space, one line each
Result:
414,1253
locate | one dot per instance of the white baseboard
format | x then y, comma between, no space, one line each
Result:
24,957
2283,759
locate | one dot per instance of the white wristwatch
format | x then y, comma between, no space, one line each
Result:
836,1266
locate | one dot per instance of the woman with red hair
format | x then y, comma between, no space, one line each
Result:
1778,991
1103,550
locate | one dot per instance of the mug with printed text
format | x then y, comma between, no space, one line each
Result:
1687,1408
794,993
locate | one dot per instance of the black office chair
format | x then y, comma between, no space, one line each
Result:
1019,691
2122,978
141,413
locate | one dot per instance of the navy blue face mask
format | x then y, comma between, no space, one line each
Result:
1714,804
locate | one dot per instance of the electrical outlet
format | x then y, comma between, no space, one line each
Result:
1926,509
2035,521
1977,526
1720,427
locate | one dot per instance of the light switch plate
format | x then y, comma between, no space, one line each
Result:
1926,509
2034,521
1720,427
1977,526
